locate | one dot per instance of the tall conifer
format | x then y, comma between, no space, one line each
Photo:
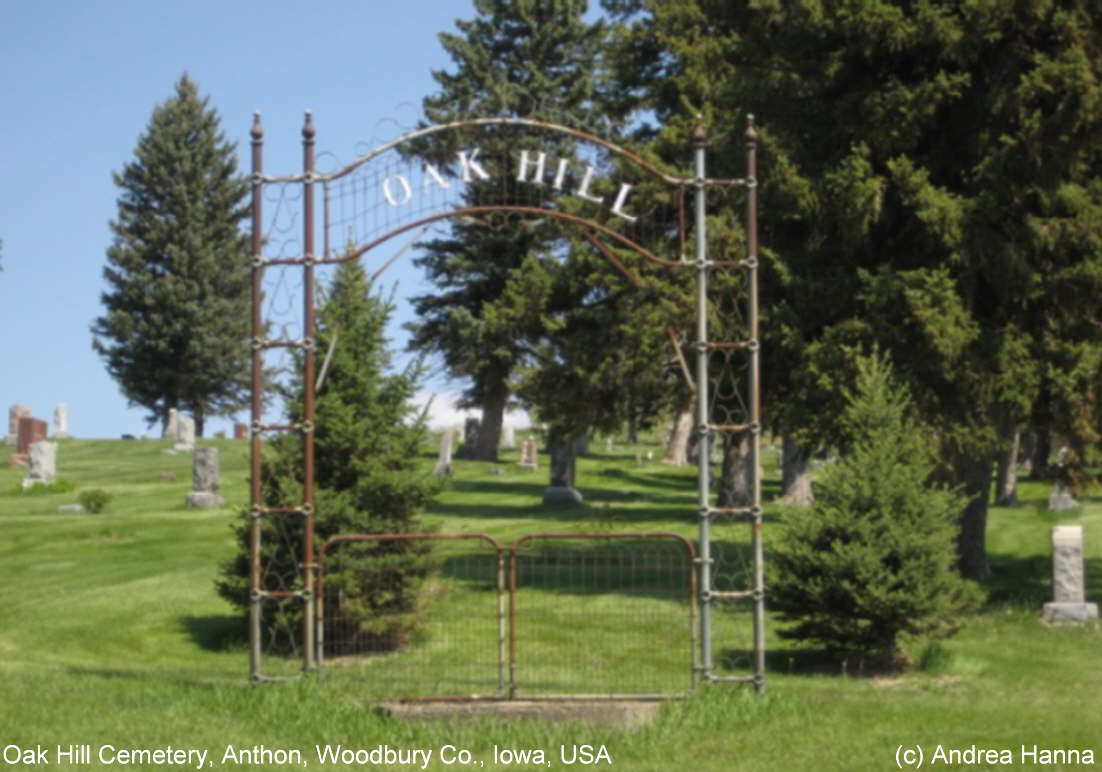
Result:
526,58
176,306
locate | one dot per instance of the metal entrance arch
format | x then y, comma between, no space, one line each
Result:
619,202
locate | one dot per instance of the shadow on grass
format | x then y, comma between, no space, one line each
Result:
220,632
807,661
603,506
1027,581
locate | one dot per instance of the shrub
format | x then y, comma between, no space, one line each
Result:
874,557
368,479
94,500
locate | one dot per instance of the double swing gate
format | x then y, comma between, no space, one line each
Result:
550,614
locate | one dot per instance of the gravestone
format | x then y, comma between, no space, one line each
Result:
15,413
609,447
529,455
61,421
185,434
460,438
1068,580
508,436
42,465
172,426
1060,499
240,431
562,490
444,461
471,427
31,430
204,479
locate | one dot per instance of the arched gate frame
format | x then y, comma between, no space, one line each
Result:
393,191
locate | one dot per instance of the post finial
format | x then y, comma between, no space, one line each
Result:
751,128
308,126
257,131
700,134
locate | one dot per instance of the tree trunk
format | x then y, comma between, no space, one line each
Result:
795,475
1041,451
200,419
974,474
735,479
493,415
677,447
1006,479
633,429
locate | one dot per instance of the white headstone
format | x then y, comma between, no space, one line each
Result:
444,461
42,464
1068,580
508,436
185,434
61,421
172,428
529,455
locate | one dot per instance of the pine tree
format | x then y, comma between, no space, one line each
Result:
930,184
176,309
526,58
368,479
873,558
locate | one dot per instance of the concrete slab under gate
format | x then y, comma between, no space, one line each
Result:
623,714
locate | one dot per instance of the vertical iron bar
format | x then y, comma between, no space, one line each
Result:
700,139
257,134
500,623
513,622
308,388
755,400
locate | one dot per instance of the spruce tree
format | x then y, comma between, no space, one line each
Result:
873,558
176,308
368,479
930,183
526,58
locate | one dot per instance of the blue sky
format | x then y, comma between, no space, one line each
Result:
78,83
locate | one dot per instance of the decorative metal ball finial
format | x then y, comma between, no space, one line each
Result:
700,134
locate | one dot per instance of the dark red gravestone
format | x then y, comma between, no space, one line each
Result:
30,430
241,431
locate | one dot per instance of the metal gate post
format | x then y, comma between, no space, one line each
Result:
700,139
257,134
755,400
309,566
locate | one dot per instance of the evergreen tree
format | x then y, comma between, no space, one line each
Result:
931,184
526,58
367,479
176,309
872,559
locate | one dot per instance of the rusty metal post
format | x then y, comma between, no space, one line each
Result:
700,140
513,622
501,637
257,134
755,400
308,334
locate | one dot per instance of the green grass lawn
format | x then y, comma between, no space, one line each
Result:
111,634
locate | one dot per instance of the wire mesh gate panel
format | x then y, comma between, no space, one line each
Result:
517,175
449,639
597,615
602,615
